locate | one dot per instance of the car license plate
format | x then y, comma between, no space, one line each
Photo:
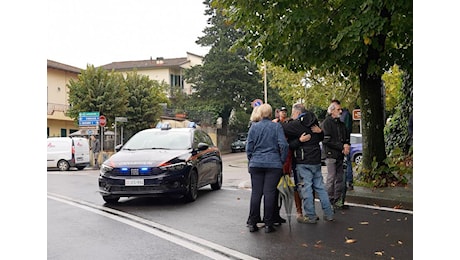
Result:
79,159
134,182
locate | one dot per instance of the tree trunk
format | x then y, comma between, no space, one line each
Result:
373,122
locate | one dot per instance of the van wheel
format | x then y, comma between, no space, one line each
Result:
63,165
110,199
80,168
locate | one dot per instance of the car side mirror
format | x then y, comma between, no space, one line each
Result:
202,146
118,147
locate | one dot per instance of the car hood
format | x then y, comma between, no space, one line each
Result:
144,158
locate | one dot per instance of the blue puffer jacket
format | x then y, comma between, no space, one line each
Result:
266,145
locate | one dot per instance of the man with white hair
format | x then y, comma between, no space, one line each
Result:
304,136
336,145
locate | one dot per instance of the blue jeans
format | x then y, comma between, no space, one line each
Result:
310,180
264,182
349,176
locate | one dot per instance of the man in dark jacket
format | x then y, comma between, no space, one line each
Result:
336,145
304,136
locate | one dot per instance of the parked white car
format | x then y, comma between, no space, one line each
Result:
66,152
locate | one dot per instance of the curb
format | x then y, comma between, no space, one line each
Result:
392,197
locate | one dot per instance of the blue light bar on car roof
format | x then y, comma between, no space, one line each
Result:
163,126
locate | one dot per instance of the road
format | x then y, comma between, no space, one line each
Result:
81,226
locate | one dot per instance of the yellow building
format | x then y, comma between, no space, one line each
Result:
58,76
170,71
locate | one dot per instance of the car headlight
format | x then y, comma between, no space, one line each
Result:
105,169
173,166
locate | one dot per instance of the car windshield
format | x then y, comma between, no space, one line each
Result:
169,140
242,137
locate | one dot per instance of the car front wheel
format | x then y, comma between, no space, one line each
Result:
192,189
218,184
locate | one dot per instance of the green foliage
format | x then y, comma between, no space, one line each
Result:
96,90
314,88
202,113
226,80
359,39
396,170
333,35
137,97
145,96
393,84
397,130
356,39
240,121
178,100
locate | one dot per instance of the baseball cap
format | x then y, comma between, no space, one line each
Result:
283,109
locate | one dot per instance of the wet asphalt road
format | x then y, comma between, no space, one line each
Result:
81,226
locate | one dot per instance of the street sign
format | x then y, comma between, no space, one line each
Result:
88,119
121,119
256,103
102,121
356,114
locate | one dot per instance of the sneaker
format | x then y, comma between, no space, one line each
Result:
350,186
328,218
307,220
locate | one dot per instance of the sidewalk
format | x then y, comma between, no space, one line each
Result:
389,197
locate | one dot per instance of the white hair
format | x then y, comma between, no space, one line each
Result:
331,108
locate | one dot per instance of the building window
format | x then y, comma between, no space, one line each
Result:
63,132
176,81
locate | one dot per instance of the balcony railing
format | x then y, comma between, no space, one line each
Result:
57,107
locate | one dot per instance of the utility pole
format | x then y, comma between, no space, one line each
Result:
265,82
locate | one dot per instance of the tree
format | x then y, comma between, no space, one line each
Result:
145,96
313,88
96,90
356,38
393,84
227,79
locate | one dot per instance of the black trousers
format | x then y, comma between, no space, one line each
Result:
264,182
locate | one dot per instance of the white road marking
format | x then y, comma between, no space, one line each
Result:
201,246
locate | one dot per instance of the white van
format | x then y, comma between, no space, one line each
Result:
66,152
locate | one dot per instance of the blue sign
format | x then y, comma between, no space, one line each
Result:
88,119
256,102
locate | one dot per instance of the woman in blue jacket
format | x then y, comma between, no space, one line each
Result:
266,150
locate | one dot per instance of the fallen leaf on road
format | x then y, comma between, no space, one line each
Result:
364,223
304,245
350,229
400,242
399,206
349,240
379,253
